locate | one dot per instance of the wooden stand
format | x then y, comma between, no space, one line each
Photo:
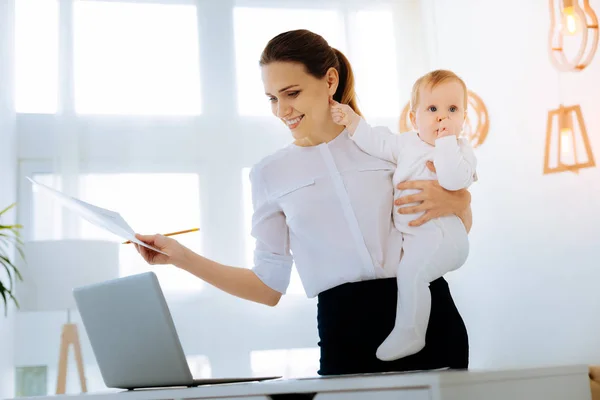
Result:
69,336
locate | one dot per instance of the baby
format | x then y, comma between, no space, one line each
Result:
438,112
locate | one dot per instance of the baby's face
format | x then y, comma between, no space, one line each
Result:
446,100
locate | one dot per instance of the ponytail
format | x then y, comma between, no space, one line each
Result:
345,93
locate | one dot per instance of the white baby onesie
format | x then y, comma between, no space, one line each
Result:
432,249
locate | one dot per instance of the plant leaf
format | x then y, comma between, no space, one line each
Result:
8,208
6,263
21,253
14,299
3,294
10,237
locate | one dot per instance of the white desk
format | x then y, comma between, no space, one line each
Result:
556,383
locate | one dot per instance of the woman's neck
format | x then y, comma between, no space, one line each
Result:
326,134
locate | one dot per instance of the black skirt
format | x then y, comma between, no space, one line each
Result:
353,319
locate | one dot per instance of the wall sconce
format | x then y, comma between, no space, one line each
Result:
568,18
477,123
564,126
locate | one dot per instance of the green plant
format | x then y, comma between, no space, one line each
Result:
9,236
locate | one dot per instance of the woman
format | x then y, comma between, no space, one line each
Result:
330,204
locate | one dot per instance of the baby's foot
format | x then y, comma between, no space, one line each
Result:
400,343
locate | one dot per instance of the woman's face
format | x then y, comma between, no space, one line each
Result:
297,98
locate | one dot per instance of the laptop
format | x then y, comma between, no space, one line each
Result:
133,336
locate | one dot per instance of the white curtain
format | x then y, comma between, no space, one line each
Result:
8,182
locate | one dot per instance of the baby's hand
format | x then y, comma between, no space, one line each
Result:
343,114
447,128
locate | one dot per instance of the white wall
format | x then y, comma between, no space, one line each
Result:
8,192
529,290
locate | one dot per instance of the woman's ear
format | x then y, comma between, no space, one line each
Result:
413,120
332,78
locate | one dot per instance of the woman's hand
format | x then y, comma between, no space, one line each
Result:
240,282
434,201
173,249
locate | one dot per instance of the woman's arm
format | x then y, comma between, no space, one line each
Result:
269,278
435,201
240,282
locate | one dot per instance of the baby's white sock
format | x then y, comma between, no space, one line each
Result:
412,316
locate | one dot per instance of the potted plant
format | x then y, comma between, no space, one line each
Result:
9,236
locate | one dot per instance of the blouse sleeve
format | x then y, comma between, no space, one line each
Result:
272,258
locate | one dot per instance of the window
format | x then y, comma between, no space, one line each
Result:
136,58
199,366
36,56
175,207
289,363
295,286
254,27
373,58
47,215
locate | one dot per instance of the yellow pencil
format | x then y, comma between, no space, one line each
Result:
172,233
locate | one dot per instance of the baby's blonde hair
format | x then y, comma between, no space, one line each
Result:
433,79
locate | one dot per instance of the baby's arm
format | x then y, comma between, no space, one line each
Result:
377,141
455,162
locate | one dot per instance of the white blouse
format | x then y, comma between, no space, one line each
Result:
328,209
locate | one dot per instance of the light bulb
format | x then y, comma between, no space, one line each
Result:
566,141
570,21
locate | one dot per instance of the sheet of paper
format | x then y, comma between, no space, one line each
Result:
103,218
